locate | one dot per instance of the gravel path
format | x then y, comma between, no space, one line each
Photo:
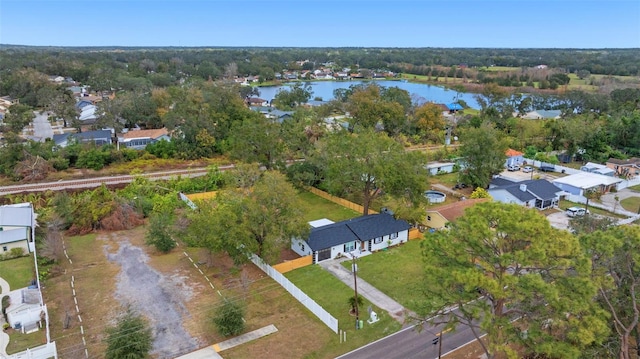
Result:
160,298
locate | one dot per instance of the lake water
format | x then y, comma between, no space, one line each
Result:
426,93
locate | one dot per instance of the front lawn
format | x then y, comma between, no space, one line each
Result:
317,207
631,204
18,272
19,342
333,296
396,272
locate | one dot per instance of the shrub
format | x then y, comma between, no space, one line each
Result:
135,344
228,319
16,252
158,233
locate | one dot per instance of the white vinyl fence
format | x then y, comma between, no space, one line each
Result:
309,303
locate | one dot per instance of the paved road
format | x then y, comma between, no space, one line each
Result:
41,126
410,343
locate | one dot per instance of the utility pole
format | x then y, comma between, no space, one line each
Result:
354,269
440,346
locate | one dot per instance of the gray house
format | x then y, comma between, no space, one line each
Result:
99,138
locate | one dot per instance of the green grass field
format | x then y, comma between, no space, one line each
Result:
333,295
18,272
318,208
635,188
631,204
396,272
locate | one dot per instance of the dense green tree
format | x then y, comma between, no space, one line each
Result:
229,318
429,122
513,276
298,94
131,338
257,139
615,257
368,163
158,233
261,219
368,109
484,153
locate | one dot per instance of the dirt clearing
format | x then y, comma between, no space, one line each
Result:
158,297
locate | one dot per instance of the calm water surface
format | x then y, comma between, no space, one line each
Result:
426,93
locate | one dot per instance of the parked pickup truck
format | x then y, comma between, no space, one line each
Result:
547,168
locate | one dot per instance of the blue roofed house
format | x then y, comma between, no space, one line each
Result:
540,194
358,236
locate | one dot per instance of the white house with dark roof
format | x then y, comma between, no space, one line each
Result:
540,194
577,184
358,236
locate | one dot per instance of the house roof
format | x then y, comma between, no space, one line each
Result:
82,136
19,215
539,188
629,162
454,107
152,134
501,181
361,228
513,153
586,180
453,211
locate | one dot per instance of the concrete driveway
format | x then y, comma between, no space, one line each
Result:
41,126
559,220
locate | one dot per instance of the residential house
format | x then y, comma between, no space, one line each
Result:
88,115
540,115
625,168
8,101
99,138
256,101
26,310
514,158
82,104
577,184
540,194
358,236
139,139
598,168
17,227
56,79
435,168
439,217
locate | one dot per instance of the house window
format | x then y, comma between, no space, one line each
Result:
378,240
350,247
394,235
302,246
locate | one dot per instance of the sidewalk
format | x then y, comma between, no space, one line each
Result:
211,352
381,300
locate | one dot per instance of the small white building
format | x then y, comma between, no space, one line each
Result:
26,309
435,168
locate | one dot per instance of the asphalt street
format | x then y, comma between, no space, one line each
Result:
42,127
411,343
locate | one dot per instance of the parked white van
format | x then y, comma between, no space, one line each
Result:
576,211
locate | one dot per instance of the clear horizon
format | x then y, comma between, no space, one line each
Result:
506,24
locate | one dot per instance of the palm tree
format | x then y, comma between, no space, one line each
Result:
353,302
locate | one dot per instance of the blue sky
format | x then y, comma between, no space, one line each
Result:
310,23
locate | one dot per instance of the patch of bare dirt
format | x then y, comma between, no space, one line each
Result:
158,297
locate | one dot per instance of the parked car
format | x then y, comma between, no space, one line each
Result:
547,168
513,168
576,211
527,169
